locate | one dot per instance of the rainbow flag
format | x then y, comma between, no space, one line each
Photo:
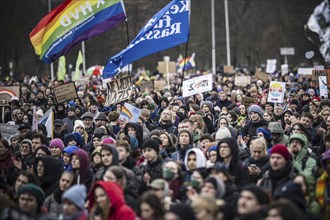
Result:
72,22
130,113
187,63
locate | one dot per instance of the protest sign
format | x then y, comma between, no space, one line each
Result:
146,85
271,66
276,92
118,90
8,130
198,84
247,101
159,85
8,92
130,113
65,92
228,69
262,76
164,68
305,71
317,73
242,80
323,87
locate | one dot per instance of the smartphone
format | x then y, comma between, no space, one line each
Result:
253,165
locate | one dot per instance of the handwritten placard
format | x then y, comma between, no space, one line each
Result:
65,92
118,90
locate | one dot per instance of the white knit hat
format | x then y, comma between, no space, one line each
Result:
78,123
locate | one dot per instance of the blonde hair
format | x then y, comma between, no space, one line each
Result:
206,203
199,120
260,141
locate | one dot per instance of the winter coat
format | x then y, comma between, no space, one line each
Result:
118,210
262,163
237,169
251,128
302,162
273,181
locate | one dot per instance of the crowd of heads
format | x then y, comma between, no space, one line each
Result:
208,156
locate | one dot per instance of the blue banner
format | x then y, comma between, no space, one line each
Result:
168,28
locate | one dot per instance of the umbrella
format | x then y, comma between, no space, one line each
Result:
95,70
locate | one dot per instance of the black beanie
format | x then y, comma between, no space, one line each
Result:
262,196
151,143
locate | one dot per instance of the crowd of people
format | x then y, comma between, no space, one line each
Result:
210,156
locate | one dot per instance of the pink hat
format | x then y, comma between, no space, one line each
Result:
57,143
108,140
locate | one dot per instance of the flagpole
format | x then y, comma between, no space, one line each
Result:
227,33
51,65
213,38
83,57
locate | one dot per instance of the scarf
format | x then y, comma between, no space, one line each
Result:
321,194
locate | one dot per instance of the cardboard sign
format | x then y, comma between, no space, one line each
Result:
242,80
166,67
65,92
6,93
228,69
262,76
118,90
159,85
247,101
317,73
146,85
198,84
8,130
276,92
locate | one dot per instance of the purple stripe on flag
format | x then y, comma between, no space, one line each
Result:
95,30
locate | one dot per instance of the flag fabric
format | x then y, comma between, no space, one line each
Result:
318,23
130,113
168,28
61,70
76,75
187,63
48,121
72,22
35,120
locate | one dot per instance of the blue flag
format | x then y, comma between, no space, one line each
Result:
166,29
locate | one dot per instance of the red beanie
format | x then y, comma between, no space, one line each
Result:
282,150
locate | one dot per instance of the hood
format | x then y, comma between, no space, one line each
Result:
300,137
114,192
53,168
275,127
304,150
232,143
114,152
200,158
138,129
84,163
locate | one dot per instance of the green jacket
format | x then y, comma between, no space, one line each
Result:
304,163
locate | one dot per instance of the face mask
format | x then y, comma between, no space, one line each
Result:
168,174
